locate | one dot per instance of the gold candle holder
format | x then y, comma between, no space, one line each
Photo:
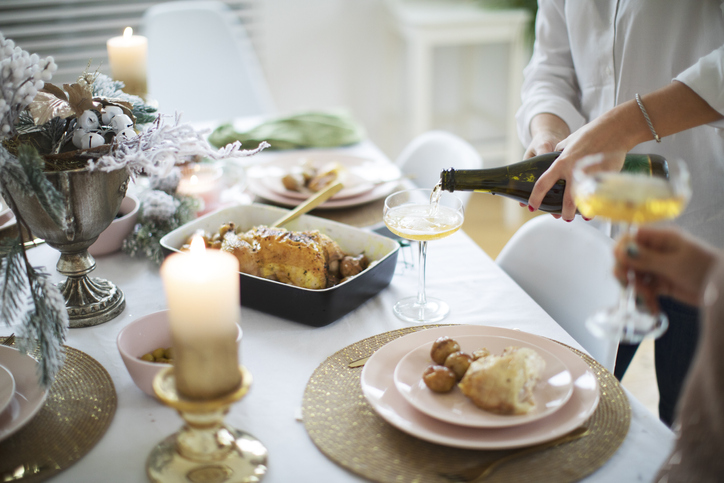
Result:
205,449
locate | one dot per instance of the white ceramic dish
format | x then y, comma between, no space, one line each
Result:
310,307
359,175
552,391
7,388
111,239
29,396
379,389
145,335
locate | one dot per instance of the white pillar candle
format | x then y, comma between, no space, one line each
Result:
127,56
202,292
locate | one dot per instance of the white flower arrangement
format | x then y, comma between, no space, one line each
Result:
91,124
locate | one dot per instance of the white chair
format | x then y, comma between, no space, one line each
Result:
424,158
567,269
201,62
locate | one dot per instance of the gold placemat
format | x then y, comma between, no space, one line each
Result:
79,408
348,431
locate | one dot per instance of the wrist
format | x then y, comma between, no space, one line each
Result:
549,125
627,125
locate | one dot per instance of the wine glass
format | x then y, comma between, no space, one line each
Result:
629,199
422,215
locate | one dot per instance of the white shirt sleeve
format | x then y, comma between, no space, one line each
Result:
706,78
550,84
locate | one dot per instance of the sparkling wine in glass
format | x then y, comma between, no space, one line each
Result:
422,215
629,200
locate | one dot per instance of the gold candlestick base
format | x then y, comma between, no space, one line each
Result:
205,449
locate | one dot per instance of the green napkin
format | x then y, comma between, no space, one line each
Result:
303,130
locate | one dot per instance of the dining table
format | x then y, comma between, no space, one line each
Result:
282,355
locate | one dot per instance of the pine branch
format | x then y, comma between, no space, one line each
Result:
45,327
13,281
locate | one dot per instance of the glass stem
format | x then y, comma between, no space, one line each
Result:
422,257
630,292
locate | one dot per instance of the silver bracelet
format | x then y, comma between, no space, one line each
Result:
646,116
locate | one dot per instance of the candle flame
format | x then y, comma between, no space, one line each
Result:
197,246
128,33
194,179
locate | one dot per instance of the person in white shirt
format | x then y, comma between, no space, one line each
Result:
590,61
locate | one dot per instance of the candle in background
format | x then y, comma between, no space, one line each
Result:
202,292
127,56
203,181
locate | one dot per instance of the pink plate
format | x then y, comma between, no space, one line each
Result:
362,179
379,388
29,396
552,391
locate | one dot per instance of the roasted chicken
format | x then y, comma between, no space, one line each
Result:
307,259
504,384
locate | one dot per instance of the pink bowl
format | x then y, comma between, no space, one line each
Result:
112,237
143,336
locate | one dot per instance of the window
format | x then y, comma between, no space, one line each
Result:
74,32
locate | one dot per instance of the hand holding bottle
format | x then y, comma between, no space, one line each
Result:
666,261
603,134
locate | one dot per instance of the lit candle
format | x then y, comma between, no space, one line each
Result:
202,292
202,181
127,56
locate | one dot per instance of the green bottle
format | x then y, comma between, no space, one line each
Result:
516,180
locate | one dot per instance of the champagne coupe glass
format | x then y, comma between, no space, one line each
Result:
422,215
628,200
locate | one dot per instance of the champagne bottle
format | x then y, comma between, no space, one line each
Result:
516,180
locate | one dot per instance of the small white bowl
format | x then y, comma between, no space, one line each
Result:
142,336
112,237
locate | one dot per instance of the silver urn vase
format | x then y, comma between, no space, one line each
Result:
92,200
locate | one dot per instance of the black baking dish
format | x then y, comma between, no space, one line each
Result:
310,307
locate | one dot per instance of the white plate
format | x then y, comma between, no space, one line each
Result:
363,179
29,396
379,388
354,173
7,388
550,394
380,191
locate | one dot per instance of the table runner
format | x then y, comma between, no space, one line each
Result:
347,430
79,408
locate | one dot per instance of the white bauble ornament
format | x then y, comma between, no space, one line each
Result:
91,140
88,120
109,112
120,122
77,137
126,134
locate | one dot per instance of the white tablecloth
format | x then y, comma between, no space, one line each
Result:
282,355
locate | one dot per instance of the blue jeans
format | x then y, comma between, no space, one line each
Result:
673,353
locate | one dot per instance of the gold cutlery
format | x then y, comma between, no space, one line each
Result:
309,204
358,362
9,339
480,472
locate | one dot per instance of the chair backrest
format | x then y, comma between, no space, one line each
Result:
429,153
567,269
201,62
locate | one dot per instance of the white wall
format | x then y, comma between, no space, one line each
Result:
344,53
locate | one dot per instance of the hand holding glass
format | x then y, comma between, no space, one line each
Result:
629,199
422,215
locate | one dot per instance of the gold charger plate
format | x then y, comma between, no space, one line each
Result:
347,430
77,412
